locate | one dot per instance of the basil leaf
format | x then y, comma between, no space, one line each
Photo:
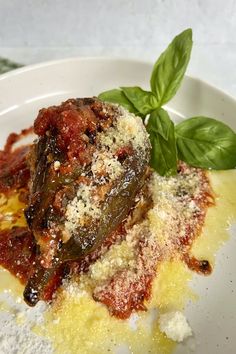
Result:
206,143
163,153
144,101
161,122
7,65
118,97
169,69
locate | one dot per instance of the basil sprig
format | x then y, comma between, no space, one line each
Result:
143,101
169,69
118,96
206,143
199,141
162,136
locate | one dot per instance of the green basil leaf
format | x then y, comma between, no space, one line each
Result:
206,143
163,153
7,65
161,122
118,97
144,101
170,68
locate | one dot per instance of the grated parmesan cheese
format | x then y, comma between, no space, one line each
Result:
82,207
127,130
175,326
105,162
117,258
56,165
175,206
18,321
174,213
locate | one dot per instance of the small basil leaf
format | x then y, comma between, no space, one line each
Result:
170,68
144,101
163,153
161,122
7,65
206,143
118,97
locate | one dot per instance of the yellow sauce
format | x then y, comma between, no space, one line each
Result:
81,325
9,283
87,326
9,207
219,217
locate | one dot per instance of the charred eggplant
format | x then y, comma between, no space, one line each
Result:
88,164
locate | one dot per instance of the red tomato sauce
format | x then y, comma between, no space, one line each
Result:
17,247
17,252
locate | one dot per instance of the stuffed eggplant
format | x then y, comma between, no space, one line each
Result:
88,164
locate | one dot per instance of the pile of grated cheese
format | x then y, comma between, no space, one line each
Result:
175,326
127,130
177,209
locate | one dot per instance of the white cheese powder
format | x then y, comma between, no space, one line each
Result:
17,322
175,326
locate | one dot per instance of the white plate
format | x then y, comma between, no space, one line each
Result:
24,91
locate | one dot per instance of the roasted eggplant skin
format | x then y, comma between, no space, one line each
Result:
67,135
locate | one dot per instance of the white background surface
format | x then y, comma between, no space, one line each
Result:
37,30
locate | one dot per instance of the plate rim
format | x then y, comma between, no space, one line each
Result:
48,63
